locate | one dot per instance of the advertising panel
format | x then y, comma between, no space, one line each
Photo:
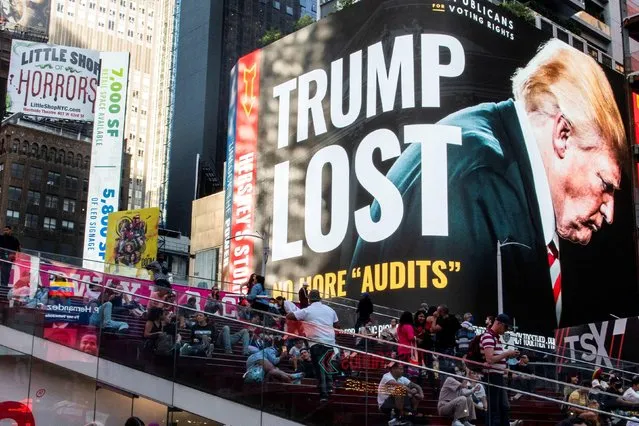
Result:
52,81
31,17
106,156
132,241
424,136
604,343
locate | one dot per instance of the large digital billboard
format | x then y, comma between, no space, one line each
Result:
53,81
393,147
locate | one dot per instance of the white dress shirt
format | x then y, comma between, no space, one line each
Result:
542,188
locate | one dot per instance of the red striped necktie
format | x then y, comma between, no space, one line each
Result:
555,277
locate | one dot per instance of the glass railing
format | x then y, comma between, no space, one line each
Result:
210,301
252,357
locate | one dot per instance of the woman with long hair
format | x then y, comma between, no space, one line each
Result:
405,336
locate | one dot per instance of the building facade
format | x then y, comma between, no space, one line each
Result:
145,29
212,37
44,175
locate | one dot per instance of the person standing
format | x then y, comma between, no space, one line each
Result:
493,351
364,311
159,268
320,324
9,245
303,295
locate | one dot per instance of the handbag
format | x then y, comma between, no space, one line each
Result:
413,370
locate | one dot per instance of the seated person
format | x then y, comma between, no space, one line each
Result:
102,318
188,310
580,398
202,334
262,365
631,394
398,393
295,353
455,400
305,365
160,334
227,340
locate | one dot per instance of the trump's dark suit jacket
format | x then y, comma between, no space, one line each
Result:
491,197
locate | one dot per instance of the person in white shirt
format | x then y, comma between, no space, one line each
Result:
319,324
396,392
632,393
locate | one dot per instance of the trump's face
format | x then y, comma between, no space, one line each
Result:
584,185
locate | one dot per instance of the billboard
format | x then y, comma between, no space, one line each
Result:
603,343
31,17
106,156
52,81
132,241
424,136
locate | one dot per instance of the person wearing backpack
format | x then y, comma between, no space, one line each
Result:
495,358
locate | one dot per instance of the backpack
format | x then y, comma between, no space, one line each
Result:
474,354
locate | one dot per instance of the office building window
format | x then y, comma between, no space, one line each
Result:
33,198
68,225
15,193
289,10
31,220
35,175
53,179
51,202
68,205
49,223
17,170
276,5
71,182
13,217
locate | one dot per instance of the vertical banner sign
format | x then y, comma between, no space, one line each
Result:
241,249
132,241
228,174
106,156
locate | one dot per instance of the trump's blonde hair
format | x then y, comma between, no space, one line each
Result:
559,78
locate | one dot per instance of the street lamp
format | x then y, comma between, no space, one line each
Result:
500,284
266,250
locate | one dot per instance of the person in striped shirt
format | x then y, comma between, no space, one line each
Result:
493,351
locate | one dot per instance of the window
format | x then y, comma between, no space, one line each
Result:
276,5
1,170
111,25
68,225
140,153
49,223
91,5
31,220
289,10
35,175
71,182
129,33
138,194
51,202
15,193
85,185
17,170
60,8
13,216
33,198
53,179
68,205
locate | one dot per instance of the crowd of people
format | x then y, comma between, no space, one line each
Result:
432,345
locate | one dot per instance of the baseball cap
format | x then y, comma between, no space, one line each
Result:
504,319
314,296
